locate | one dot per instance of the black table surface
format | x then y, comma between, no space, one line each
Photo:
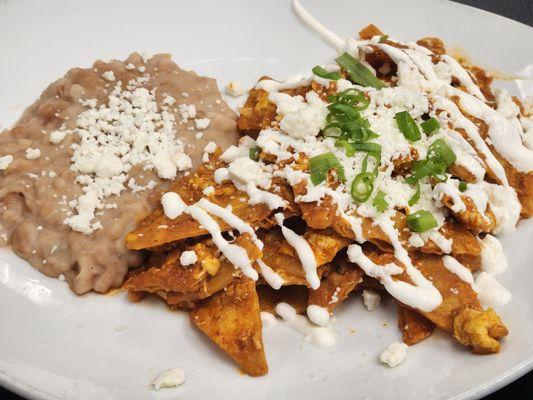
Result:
519,10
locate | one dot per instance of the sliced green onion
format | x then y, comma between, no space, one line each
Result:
254,153
430,126
322,73
382,38
440,156
414,199
372,149
353,97
332,130
321,164
440,148
348,147
364,163
358,72
407,126
344,111
362,187
428,167
379,202
421,221
462,186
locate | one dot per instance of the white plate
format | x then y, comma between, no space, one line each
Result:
54,345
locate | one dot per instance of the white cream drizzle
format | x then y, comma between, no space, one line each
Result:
463,76
460,121
491,293
268,320
318,315
303,250
493,259
270,276
231,219
235,254
463,273
504,135
319,336
423,295
330,37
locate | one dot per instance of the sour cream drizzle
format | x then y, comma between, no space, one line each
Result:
463,273
174,206
422,295
319,336
303,250
235,254
270,276
231,219
330,37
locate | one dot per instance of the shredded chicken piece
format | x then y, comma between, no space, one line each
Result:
479,329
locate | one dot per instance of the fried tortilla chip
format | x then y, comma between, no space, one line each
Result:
472,218
369,31
157,230
296,296
231,319
457,295
209,273
415,327
282,258
336,287
257,113
479,329
463,241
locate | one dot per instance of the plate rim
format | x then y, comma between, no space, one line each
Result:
28,391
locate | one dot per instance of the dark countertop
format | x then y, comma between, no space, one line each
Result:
519,10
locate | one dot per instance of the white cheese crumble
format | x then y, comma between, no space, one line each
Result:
5,161
33,154
188,258
186,111
235,88
58,136
170,378
415,240
394,354
371,299
202,123
109,76
300,119
169,100
244,170
128,131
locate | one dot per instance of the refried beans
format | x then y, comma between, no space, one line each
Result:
47,179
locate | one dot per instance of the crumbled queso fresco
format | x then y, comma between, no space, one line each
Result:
128,131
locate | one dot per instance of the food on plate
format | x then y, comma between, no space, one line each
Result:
387,173
87,157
